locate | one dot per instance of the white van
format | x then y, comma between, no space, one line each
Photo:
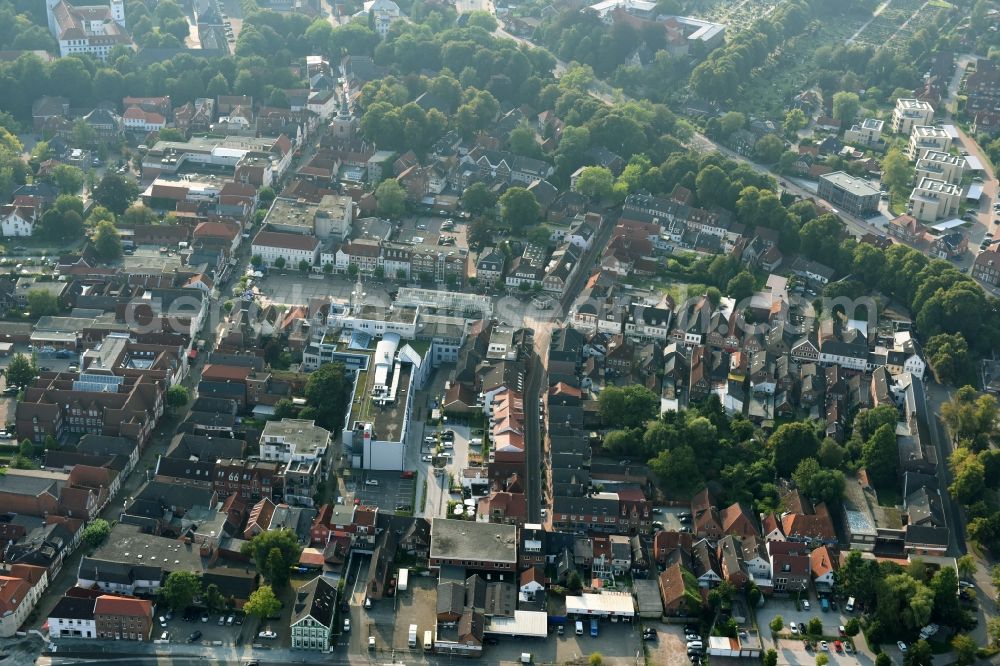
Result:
579,627
428,641
475,442
850,605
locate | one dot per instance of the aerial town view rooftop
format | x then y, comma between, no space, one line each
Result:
636,332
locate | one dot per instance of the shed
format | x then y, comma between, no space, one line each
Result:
974,163
975,192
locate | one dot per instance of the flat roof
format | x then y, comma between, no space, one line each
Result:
974,163
947,224
524,623
467,540
975,191
950,131
855,186
618,603
126,544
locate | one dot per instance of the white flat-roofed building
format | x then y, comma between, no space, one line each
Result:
925,139
941,166
866,133
910,112
933,200
608,604
294,439
293,248
533,624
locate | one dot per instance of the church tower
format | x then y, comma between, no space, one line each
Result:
50,6
118,12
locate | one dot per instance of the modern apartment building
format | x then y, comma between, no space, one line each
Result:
852,194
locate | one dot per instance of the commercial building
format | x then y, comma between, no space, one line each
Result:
257,161
606,605
474,546
330,218
910,112
289,250
852,194
933,200
379,421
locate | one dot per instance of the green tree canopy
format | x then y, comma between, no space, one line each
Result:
107,242
274,553
21,370
881,457
327,392
42,303
178,396
476,198
596,182
519,209
262,602
790,444
115,193
391,198
628,406
96,532
180,589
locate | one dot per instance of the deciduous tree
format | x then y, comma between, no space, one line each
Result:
262,602
790,444
180,589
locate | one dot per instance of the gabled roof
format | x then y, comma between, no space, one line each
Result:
316,599
128,606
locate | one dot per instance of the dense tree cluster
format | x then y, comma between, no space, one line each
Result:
899,601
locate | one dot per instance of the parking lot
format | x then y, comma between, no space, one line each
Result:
392,493
669,648
670,516
181,629
791,649
618,643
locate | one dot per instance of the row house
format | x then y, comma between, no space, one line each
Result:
250,480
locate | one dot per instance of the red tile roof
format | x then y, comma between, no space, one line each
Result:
111,605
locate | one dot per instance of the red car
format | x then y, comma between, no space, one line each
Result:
408,474
838,646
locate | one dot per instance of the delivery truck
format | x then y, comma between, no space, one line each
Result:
412,639
402,580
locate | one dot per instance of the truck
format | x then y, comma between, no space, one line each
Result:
404,578
428,641
412,637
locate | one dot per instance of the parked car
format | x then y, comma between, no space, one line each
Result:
649,634
347,624
805,605
371,482
902,646
824,646
795,629
165,636
268,634
194,636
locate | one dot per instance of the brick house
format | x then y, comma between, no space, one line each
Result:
123,618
